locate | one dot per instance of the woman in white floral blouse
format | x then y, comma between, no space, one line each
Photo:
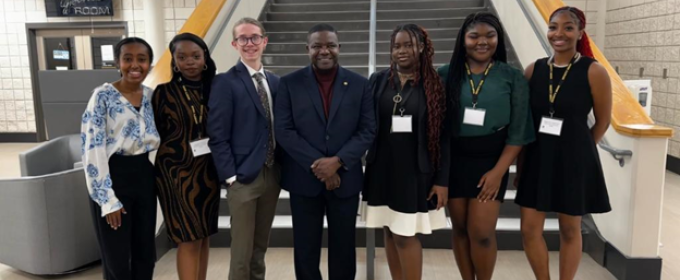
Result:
118,132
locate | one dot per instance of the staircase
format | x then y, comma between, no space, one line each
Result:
287,23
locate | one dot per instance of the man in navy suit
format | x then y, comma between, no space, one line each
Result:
325,122
240,126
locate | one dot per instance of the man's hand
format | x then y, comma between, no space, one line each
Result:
333,182
324,168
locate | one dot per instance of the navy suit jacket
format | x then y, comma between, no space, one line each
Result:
237,124
305,134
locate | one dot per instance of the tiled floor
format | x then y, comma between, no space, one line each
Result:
439,264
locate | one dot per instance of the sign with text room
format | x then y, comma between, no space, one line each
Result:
78,8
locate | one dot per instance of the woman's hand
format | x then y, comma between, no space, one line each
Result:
115,219
490,184
442,194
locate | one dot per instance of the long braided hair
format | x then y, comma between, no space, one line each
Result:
434,91
583,45
457,73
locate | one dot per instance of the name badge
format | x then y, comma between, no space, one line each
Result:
551,126
474,116
402,124
200,147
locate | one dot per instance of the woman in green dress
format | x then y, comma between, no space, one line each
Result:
491,122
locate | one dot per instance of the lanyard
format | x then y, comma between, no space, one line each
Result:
198,119
476,90
397,99
552,95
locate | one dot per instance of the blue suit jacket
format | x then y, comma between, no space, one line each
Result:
237,124
305,134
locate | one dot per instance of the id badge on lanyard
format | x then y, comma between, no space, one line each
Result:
402,124
550,125
474,116
200,147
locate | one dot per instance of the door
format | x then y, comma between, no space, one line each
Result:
77,49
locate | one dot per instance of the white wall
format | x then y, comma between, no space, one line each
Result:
16,93
646,34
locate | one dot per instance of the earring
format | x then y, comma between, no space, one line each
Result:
176,69
205,67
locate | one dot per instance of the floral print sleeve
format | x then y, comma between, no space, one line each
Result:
95,138
111,125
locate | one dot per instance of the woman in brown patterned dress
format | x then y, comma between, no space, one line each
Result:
186,178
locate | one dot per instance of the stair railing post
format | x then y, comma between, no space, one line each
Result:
370,233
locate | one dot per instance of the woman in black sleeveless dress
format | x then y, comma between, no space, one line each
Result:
187,183
561,171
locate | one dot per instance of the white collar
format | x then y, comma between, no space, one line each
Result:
252,71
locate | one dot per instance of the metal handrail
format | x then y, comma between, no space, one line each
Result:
618,154
534,25
220,33
372,33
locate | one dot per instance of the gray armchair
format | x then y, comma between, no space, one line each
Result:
45,217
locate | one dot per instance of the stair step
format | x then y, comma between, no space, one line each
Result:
504,224
316,7
365,14
357,35
440,45
346,25
507,233
365,5
425,13
340,25
282,70
302,58
318,1
508,209
319,15
285,195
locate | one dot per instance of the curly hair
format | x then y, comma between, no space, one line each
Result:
434,91
457,72
583,45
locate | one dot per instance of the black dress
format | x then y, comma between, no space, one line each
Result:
395,190
563,173
187,186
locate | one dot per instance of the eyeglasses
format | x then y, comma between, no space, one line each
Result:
256,40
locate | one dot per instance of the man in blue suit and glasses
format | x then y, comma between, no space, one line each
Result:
240,126
325,122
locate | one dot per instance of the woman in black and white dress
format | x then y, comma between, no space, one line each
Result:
408,164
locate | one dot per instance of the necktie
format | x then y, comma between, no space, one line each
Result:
264,98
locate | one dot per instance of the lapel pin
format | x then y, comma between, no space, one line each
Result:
344,83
